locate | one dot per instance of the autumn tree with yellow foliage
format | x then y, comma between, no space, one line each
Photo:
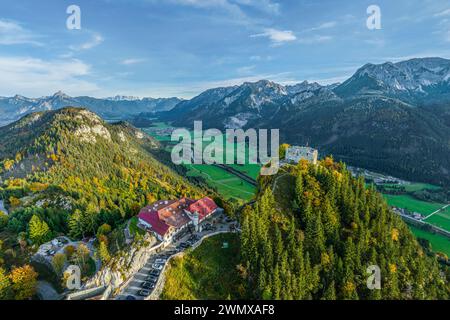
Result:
23,282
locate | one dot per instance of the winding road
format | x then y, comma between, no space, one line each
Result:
437,211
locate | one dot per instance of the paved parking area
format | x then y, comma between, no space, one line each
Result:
135,285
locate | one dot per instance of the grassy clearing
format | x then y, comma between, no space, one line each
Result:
208,272
252,170
152,131
227,184
134,229
441,219
439,243
411,204
412,187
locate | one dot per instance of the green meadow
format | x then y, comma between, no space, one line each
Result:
411,204
441,219
227,184
439,243
412,187
207,272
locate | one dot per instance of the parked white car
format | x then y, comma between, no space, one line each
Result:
157,266
160,261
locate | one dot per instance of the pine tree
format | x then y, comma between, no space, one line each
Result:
5,285
103,252
39,231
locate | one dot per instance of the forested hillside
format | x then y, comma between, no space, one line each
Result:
315,230
98,172
67,172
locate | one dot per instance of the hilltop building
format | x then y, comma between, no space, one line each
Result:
167,218
294,154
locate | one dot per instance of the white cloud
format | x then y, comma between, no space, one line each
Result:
131,61
315,39
261,58
267,6
376,42
245,70
36,77
277,36
325,25
443,13
95,40
447,37
12,33
264,5
231,8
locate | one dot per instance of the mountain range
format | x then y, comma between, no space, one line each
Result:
392,117
118,107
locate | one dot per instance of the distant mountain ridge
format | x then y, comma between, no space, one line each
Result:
413,80
118,107
392,117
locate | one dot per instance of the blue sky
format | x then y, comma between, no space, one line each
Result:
164,48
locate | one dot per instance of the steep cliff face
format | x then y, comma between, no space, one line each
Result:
124,264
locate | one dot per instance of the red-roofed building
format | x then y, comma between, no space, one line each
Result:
204,207
166,218
151,220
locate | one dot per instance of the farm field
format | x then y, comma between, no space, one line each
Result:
439,243
412,187
411,204
226,183
153,131
251,170
441,219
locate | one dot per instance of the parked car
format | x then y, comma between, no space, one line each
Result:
155,272
195,238
130,298
157,266
148,285
160,261
151,278
144,293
